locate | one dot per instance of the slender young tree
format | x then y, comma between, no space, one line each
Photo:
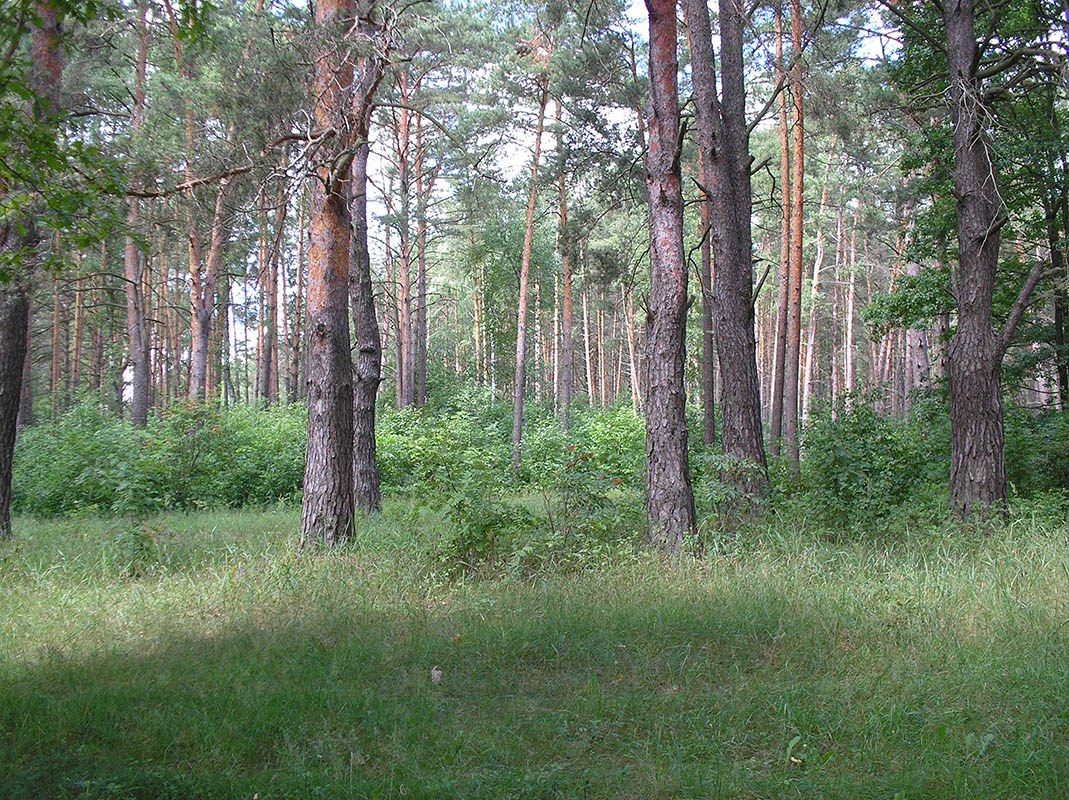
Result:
783,295
670,498
137,333
791,370
525,271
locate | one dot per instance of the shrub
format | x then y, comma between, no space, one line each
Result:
190,455
857,466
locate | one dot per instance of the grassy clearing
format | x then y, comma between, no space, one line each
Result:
198,656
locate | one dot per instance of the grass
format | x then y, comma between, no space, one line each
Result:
200,656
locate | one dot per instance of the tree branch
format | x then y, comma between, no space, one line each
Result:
1019,306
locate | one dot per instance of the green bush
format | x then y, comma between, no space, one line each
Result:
857,465
190,455
79,463
1037,450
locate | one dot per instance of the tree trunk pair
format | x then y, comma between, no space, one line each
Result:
340,455
724,145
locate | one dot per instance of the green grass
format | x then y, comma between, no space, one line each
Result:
200,656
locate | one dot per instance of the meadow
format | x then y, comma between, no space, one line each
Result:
202,655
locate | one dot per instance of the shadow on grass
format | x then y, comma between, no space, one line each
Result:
550,692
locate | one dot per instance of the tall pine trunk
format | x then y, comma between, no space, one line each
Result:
327,503
724,143
783,295
137,335
974,366
670,498
566,360
367,366
794,304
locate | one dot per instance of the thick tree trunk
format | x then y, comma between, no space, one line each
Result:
670,498
327,503
525,270
724,142
977,465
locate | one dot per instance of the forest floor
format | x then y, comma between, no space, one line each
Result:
202,656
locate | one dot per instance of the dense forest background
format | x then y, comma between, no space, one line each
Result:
169,170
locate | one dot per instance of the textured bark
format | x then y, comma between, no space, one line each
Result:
14,319
525,270
367,369
367,366
724,141
670,498
794,305
977,466
327,503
